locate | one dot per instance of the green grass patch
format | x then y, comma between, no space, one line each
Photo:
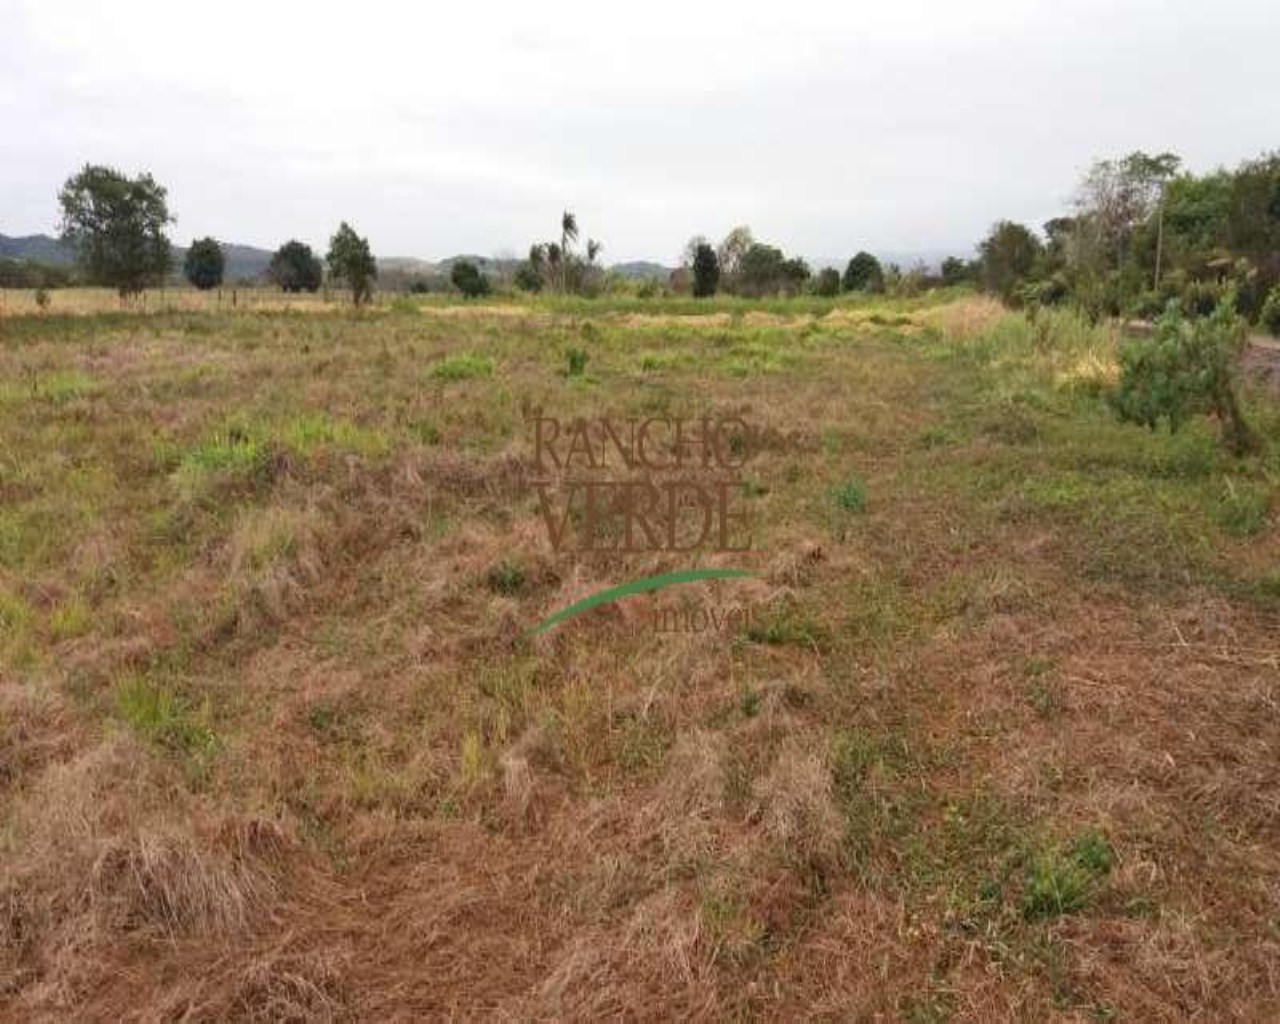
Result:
308,434
462,367
1061,880
851,496
232,451
70,619
157,714
1242,508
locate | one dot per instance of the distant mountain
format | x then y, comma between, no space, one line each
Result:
244,262
640,270
494,267
37,249
406,265
931,258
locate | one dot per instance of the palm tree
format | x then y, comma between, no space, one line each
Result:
568,234
553,260
593,250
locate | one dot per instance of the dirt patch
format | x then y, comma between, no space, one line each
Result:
1261,363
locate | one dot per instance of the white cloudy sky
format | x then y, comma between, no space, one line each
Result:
445,127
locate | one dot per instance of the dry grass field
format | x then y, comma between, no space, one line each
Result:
1001,741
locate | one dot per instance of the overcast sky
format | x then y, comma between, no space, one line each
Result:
446,127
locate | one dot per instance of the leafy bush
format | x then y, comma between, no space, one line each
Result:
1270,316
1201,298
1187,367
577,360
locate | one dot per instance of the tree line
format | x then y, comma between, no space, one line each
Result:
117,226
1144,233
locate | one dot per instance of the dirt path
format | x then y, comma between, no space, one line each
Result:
1261,361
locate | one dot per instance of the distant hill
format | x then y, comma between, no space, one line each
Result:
503,267
931,258
244,262
640,270
247,262
37,249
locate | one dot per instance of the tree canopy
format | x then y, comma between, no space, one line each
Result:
295,268
1009,254
468,279
205,264
706,270
117,225
863,274
351,260
1143,232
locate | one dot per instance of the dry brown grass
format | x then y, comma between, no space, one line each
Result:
274,746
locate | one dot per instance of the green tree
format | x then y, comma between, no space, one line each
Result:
729,255
760,270
794,273
350,260
1008,256
468,279
827,283
864,274
706,271
295,268
1253,224
954,271
117,225
1116,199
528,278
204,264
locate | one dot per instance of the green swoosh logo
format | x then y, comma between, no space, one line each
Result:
641,586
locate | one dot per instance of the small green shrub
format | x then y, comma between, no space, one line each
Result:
1270,315
1060,881
851,496
1187,367
577,360
506,577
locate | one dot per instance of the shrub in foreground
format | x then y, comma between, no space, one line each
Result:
1186,368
